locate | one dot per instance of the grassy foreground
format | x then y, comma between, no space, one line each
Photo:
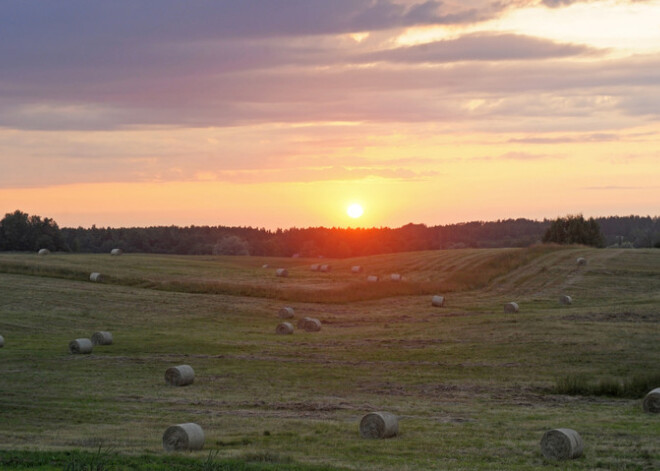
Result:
474,388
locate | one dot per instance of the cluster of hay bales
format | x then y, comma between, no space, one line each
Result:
561,444
308,324
116,252
183,437
282,272
96,277
181,375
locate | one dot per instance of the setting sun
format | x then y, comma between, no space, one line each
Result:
355,210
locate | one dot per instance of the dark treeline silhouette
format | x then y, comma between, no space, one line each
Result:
628,231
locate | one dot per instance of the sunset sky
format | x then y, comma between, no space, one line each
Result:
282,113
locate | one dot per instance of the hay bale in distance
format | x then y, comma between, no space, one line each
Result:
314,267
372,278
116,252
309,324
2,341
265,265
652,402
325,268
43,252
183,437
561,444
379,425
356,269
438,301
96,277
181,375
565,299
581,261
80,346
102,337
511,308
395,277
283,272
284,328
286,312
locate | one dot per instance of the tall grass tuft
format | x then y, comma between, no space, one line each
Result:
632,387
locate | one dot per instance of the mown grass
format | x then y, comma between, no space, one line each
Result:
473,386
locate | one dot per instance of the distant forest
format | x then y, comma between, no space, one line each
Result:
18,231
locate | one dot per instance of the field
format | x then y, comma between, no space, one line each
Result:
474,388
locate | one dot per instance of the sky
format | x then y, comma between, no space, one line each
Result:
282,113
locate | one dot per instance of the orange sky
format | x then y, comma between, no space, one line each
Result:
421,112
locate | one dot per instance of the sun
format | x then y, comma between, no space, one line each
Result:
355,210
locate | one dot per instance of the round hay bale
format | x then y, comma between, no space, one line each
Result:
80,346
395,277
265,265
116,252
356,269
285,312
183,437
581,261
379,425
561,444
43,252
96,277
325,268
283,272
372,278
652,401
102,337
438,301
181,375
285,328
315,267
565,299
511,308
2,341
309,324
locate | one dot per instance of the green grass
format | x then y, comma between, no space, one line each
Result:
474,388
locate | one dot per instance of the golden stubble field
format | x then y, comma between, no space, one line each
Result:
473,387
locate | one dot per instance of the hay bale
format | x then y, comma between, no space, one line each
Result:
80,346
283,272
372,278
102,337
581,261
181,375
96,277
561,444
309,324
2,341
395,277
265,265
325,268
284,328
438,301
183,437
315,267
565,299
43,252
285,312
379,425
652,401
356,269
511,308
116,252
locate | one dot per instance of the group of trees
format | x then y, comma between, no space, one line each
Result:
21,232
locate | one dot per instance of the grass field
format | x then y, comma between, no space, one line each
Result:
474,388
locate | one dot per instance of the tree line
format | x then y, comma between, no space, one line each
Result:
22,232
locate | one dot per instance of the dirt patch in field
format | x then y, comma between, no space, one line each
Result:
614,317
